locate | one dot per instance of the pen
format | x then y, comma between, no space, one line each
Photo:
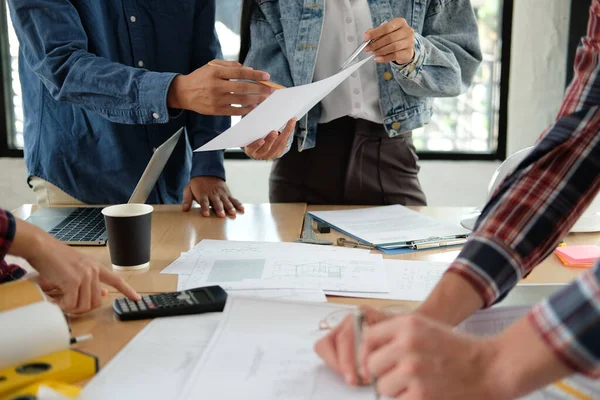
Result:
266,83
431,245
358,327
82,338
564,387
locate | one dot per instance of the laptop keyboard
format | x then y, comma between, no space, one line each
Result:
82,225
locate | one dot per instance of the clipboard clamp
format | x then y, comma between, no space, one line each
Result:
433,242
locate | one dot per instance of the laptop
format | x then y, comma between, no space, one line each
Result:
529,295
84,226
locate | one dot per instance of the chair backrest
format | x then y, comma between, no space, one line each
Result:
588,222
506,168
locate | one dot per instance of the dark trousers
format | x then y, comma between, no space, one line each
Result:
355,162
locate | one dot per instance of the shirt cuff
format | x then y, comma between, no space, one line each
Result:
569,323
153,92
411,70
8,229
208,163
489,267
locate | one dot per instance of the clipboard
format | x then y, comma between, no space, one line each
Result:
421,241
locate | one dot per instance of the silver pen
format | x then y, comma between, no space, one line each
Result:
358,51
358,333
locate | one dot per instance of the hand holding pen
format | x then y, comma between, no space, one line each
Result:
393,41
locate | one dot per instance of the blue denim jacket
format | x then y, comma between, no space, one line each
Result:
95,76
285,35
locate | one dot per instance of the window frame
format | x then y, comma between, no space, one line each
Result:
7,125
7,118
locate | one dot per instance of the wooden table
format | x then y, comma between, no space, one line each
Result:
174,232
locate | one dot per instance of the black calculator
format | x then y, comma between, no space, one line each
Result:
193,301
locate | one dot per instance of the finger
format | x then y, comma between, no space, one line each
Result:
376,336
243,73
204,205
96,292
327,350
227,205
284,137
326,347
217,205
382,360
396,36
245,88
118,283
188,198
265,151
394,47
69,298
85,293
253,147
385,29
346,354
394,383
237,204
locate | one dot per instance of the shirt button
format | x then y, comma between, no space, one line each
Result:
354,74
350,38
155,115
133,18
140,63
396,125
348,20
387,76
356,91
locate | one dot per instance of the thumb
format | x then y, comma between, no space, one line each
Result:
186,205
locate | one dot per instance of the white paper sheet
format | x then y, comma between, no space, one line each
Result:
388,224
309,295
407,280
277,110
291,271
157,362
32,331
223,249
266,349
495,320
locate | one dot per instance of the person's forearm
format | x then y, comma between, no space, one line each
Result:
28,240
451,301
523,362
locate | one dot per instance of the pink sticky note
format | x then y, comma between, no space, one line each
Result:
579,254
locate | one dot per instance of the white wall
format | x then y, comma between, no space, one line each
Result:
538,67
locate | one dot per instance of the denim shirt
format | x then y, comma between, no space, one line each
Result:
95,76
285,35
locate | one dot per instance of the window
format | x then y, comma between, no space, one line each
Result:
470,126
469,123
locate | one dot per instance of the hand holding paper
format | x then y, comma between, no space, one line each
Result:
275,112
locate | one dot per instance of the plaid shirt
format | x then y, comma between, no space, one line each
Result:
535,207
7,234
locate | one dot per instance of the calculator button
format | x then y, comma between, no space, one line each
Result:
132,305
143,307
124,307
140,304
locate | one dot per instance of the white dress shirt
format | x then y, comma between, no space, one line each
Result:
344,25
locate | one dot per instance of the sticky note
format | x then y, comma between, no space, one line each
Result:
583,255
